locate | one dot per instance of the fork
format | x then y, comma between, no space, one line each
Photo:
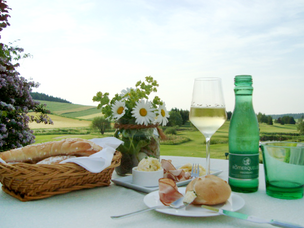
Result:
177,204
195,171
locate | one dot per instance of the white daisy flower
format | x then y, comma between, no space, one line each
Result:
163,115
126,93
118,109
143,112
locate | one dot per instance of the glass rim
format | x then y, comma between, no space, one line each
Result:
207,78
283,144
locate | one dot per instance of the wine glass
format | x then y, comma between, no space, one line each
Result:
207,111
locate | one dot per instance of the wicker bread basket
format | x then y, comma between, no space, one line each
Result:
37,181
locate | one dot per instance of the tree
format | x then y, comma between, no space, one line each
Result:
184,114
100,124
262,118
278,120
300,126
229,114
45,97
269,120
175,119
4,15
289,120
259,117
15,98
286,120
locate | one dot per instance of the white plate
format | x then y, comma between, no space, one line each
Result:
127,182
234,203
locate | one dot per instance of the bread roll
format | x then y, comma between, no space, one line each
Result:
210,190
37,152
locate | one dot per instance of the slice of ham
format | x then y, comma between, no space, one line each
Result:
168,191
171,172
177,172
167,165
176,175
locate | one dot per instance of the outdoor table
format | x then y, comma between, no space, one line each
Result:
92,208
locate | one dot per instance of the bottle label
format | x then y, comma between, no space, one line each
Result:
244,166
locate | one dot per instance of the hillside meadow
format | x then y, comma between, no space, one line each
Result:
195,147
61,122
68,110
72,120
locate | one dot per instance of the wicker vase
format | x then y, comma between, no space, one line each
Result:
140,141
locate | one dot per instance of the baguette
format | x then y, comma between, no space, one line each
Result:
37,152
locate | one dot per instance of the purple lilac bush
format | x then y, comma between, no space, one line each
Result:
15,99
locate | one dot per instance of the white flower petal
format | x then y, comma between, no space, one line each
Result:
125,91
163,115
143,113
118,109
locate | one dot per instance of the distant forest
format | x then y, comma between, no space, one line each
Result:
45,97
294,115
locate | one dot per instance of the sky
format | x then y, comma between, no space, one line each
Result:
80,47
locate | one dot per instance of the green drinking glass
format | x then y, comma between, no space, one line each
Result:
284,169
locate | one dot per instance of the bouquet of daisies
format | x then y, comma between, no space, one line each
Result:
136,122
132,106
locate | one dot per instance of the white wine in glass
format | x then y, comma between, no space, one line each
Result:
207,111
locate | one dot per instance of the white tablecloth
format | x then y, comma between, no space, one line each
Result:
92,207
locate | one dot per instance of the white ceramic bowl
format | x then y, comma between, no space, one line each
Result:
146,178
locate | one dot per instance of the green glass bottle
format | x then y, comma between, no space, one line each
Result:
243,139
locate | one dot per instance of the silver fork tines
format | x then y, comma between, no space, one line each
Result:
195,171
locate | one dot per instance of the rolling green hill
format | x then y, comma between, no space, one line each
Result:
68,110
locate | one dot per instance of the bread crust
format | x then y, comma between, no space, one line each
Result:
210,190
37,152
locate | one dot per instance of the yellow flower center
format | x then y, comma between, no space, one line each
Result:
120,110
143,112
163,113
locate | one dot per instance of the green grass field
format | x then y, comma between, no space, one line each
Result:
194,148
70,116
72,110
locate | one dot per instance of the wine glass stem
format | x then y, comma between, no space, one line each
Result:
208,155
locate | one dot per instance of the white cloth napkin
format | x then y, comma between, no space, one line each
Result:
100,160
